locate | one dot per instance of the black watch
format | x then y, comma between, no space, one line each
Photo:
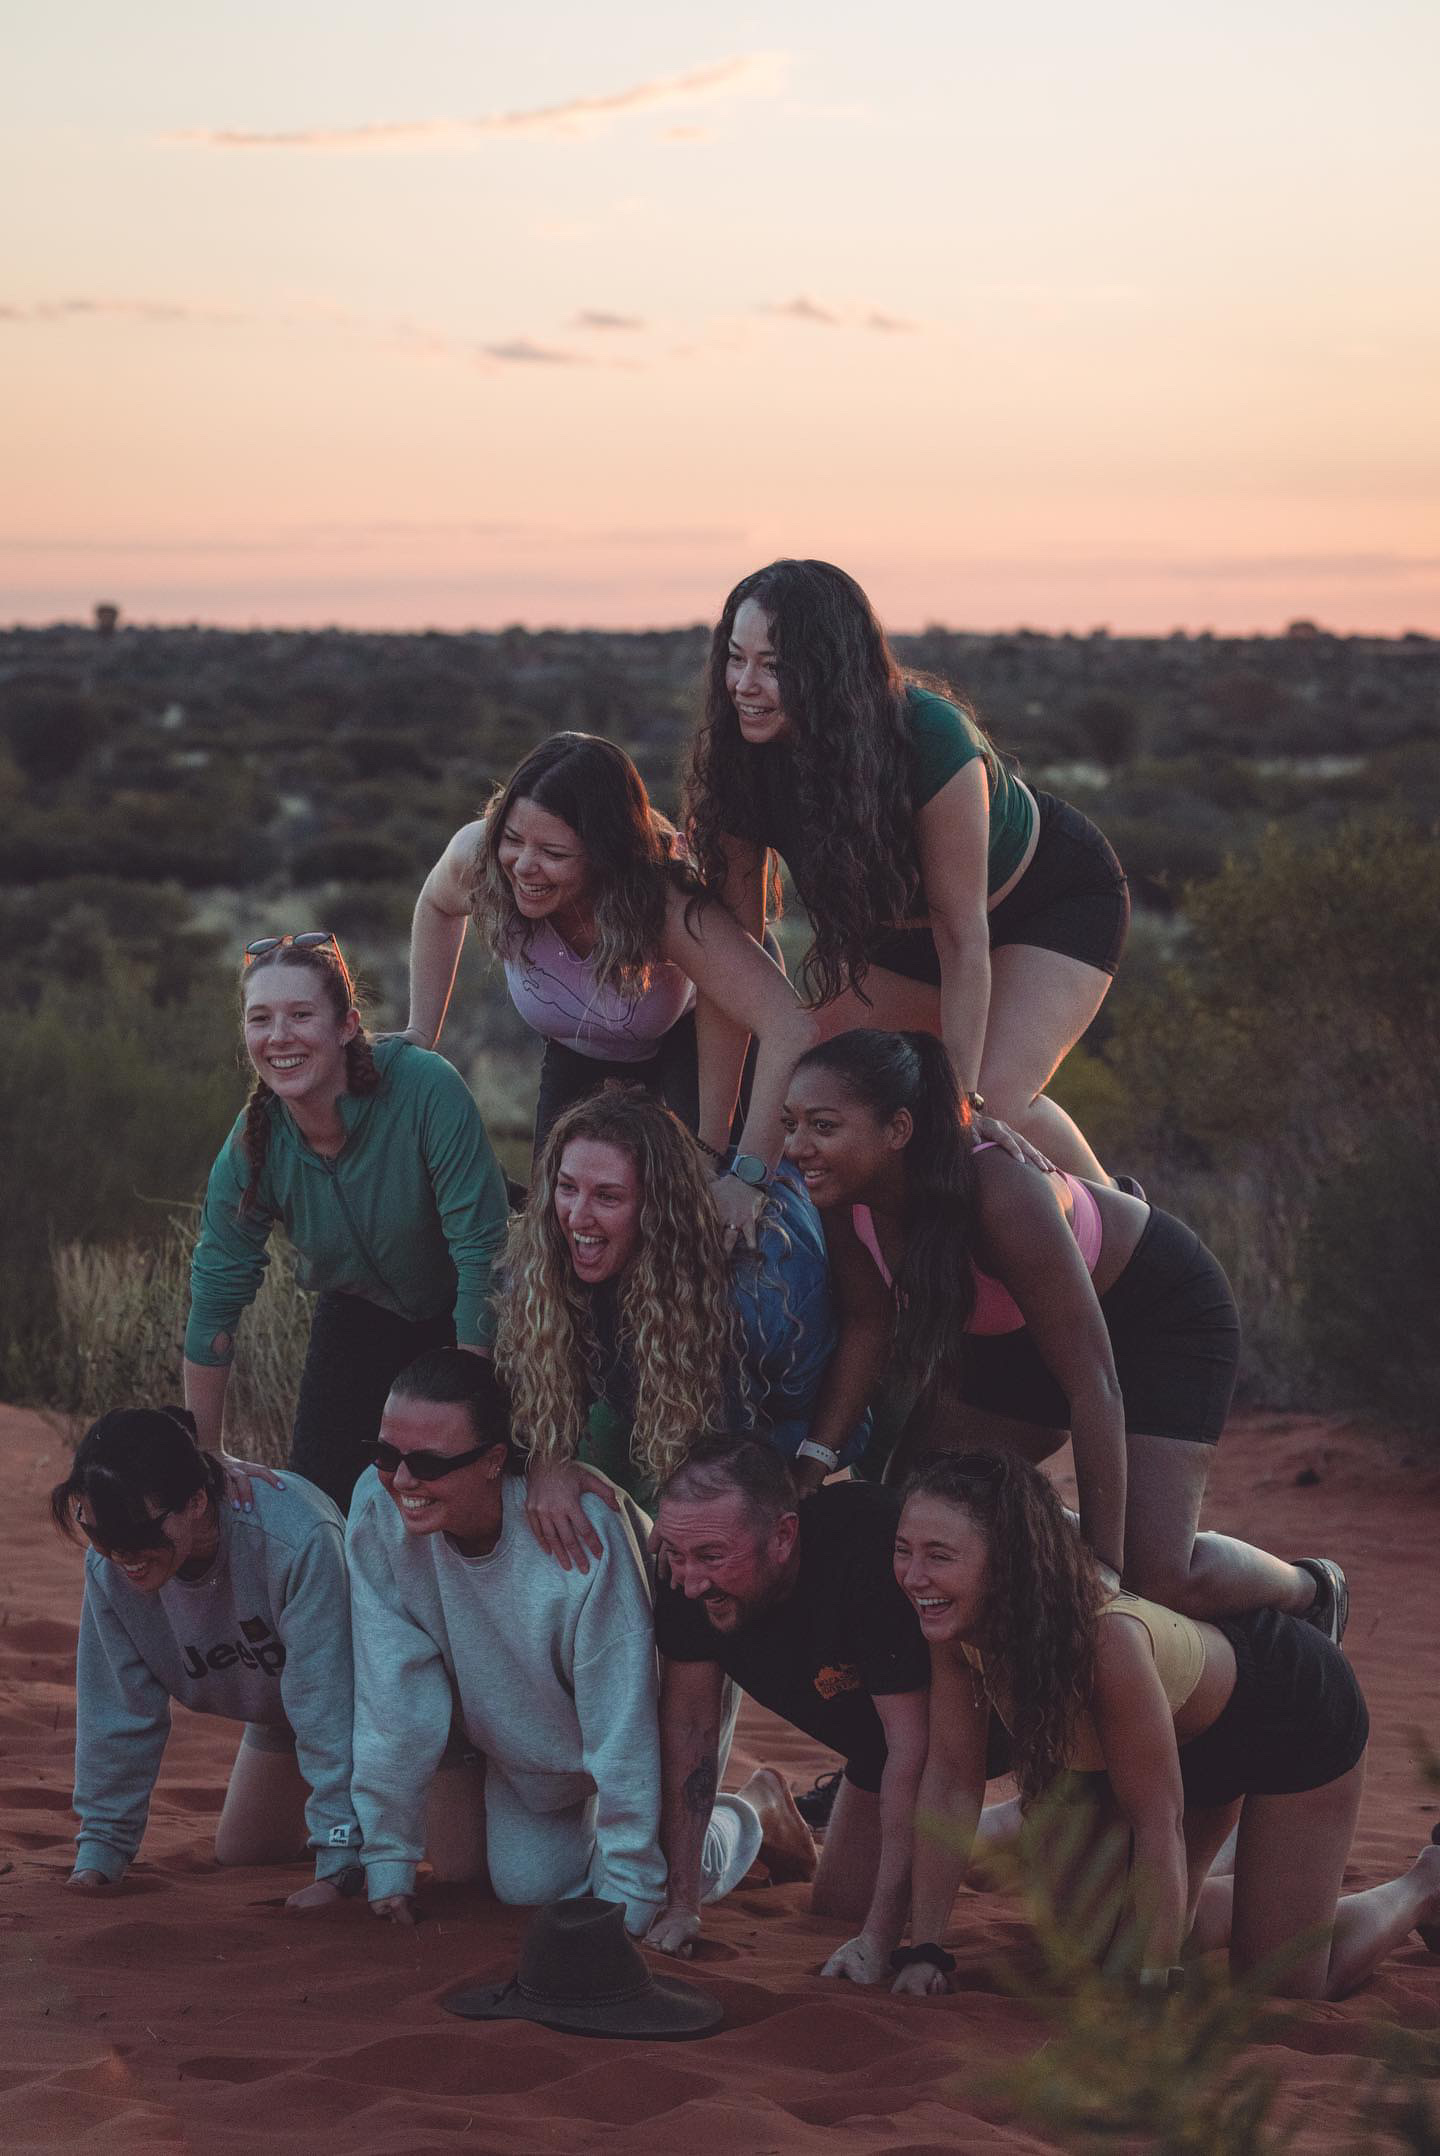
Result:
749,1170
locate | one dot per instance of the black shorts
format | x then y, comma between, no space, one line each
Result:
356,1352
1073,898
1296,1719
1174,1332
672,1073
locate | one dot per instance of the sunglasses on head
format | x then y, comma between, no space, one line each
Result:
310,939
425,1466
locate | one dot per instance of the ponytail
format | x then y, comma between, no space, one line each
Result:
935,1280
936,1276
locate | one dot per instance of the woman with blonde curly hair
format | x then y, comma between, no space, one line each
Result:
608,939
626,1330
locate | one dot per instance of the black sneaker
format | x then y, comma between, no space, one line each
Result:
818,1802
1330,1611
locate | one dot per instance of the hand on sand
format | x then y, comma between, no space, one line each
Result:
89,1882
674,1931
556,1516
920,1981
320,1894
738,1205
394,1908
989,1130
862,1960
239,1474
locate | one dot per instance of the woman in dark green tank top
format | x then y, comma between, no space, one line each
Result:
945,896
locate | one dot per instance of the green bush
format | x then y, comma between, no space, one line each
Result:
111,1114
1286,1053
1371,1247
351,857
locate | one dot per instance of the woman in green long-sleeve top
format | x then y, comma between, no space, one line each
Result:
375,1161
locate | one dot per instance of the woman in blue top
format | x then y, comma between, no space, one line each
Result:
628,1324
945,895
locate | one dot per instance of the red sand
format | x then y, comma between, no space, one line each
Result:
187,2012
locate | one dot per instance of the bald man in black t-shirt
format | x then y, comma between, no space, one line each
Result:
799,1605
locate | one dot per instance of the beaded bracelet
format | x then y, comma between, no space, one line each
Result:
713,1150
904,1956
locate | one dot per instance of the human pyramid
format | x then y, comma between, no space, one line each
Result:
746,1394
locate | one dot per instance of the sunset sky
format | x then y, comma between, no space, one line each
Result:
454,315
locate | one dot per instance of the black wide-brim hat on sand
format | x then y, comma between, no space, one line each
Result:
579,1969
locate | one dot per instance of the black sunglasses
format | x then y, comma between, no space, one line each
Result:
311,939
425,1466
135,1538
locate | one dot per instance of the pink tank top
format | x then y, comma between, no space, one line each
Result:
556,993
996,1310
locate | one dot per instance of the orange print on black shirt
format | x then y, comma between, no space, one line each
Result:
832,1680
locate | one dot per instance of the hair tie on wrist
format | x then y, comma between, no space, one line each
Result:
904,1957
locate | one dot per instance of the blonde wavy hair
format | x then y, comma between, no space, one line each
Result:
630,851
677,1319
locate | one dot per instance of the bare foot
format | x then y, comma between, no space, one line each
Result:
787,1847
1428,1865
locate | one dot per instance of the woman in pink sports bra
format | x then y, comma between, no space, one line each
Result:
610,945
1023,1306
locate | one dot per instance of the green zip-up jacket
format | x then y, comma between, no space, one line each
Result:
410,1214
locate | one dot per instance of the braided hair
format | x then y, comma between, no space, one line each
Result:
361,1076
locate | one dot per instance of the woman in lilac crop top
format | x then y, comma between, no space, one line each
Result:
611,948
1024,1306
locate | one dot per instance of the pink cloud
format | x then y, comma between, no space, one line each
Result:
755,74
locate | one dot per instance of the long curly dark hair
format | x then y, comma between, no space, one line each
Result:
1042,1598
935,1279
361,1076
592,786
848,757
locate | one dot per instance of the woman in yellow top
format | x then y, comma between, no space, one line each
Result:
1194,1727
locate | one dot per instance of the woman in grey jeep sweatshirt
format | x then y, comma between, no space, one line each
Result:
243,1615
